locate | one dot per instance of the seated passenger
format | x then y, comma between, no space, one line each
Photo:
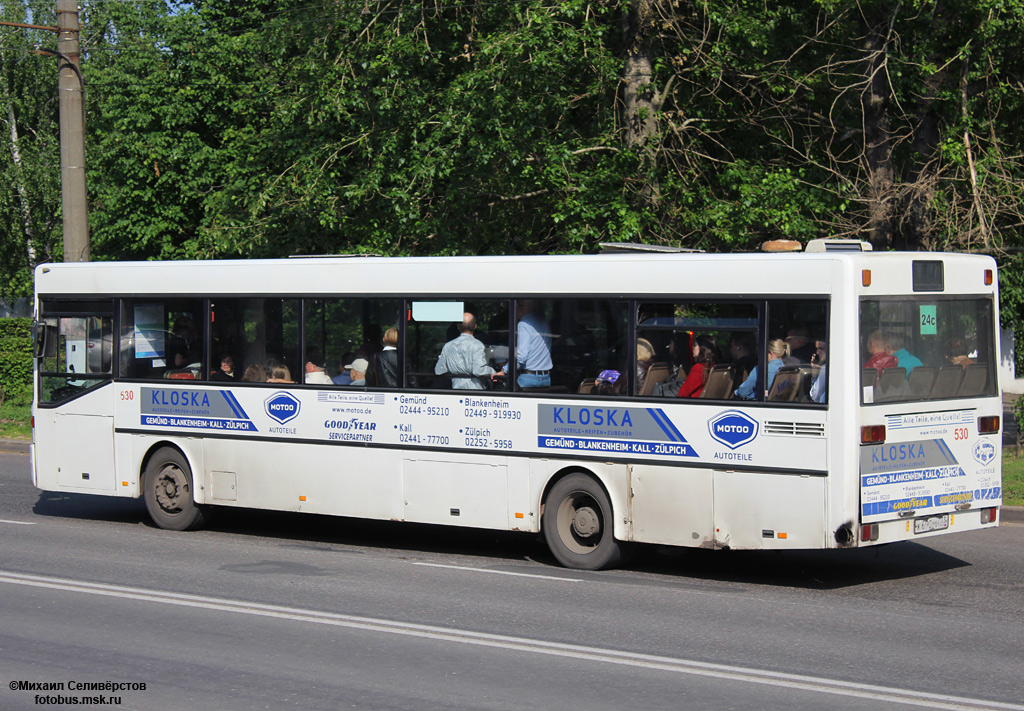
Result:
705,355
881,353
777,352
608,383
957,353
280,374
227,370
255,373
644,358
819,389
316,371
905,358
358,369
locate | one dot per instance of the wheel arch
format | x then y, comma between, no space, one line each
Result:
577,468
151,451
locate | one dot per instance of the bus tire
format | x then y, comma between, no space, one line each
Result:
167,489
577,524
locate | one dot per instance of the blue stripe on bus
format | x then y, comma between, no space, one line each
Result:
666,425
235,406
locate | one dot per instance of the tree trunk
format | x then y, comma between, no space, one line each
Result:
878,138
640,99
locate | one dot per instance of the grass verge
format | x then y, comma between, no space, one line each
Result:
15,421
1013,478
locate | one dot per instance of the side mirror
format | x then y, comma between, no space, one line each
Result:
44,340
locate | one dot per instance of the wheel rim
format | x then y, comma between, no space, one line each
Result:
580,523
171,488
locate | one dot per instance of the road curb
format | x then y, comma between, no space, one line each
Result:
20,446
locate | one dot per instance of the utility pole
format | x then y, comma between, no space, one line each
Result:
72,135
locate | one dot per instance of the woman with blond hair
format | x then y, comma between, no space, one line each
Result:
777,350
280,374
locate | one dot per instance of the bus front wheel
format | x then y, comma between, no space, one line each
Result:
167,488
577,524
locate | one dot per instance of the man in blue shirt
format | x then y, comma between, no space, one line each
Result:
533,347
464,356
906,358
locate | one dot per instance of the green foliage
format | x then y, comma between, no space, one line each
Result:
259,128
16,360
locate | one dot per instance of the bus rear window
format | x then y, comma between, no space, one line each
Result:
927,349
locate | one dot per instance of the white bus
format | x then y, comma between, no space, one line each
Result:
611,417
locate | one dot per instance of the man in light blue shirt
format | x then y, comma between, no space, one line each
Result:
906,358
533,347
464,356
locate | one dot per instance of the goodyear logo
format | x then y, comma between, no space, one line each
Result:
282,407
733,429
984,452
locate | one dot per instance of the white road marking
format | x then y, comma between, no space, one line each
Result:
19,523
884,694
499,572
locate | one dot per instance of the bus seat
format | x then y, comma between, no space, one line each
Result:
180,374
973,383
892,384
719,384
586,387
656,373
868,377
947,382
808,374
919,382
786,384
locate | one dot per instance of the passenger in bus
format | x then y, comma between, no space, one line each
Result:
280,374
344,377
644,358
385,362
316,369
777,352
255,373
705,355
905,358
227,370
957,353
464,358
801,347
357,369
533,347
819,389
741,348
608,382
881,353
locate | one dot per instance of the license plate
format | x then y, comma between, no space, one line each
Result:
931,523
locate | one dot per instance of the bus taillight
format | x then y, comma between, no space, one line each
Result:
872,434
988,277
869,532
989,515
988,425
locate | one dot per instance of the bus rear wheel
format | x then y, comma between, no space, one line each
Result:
577,524
167,489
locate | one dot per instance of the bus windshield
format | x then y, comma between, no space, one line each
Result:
927,348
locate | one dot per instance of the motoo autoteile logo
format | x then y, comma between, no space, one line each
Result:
282,407
733,429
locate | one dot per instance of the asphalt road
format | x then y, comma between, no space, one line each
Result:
272,611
